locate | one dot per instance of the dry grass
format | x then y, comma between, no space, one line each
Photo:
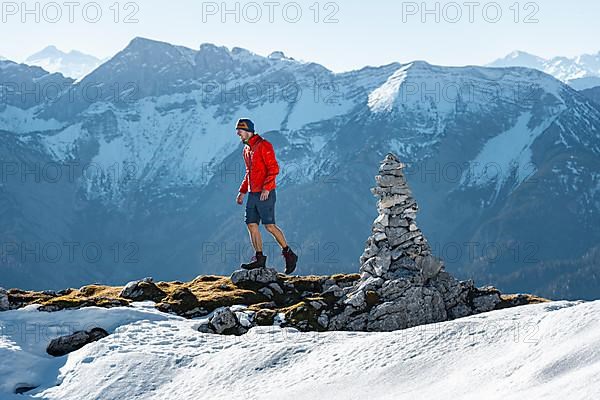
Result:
513,300
205,292
91,295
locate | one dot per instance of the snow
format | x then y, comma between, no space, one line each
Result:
549,351
383,98
317,102
506,154
17,120
62,144
163,136
430,91
170,141
568,70
25,334
431,94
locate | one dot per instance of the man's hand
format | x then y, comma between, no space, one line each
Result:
240,198
264,195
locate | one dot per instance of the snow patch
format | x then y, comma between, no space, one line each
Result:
506,155
383,98
549,351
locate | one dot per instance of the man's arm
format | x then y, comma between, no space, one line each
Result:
244,186
268,155
243,190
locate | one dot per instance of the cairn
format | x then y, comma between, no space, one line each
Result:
396,247
401,283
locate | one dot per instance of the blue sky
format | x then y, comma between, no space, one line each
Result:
344,35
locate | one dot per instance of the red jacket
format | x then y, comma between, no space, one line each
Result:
261,165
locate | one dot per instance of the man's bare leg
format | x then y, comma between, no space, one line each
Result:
290,257
277,234
255,237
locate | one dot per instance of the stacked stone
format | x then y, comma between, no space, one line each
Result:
402,284
396,247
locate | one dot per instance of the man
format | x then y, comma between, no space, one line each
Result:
259,181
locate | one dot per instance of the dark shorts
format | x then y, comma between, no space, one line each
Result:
257,211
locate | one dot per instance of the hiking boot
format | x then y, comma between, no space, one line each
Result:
290,260
258,261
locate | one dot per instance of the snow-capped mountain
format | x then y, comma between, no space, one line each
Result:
544,351
73,64
151,164
520,59
582,72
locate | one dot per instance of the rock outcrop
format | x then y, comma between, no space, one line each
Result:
66,344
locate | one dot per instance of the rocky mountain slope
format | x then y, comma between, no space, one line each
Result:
148,165
592,94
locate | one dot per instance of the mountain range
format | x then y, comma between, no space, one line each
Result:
73,64
581,72
133,170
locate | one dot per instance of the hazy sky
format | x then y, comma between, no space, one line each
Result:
342,35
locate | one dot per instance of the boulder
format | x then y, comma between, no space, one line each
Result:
66,344
418,306
228,321
223,320
142,290
182,302
268,293
255,278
